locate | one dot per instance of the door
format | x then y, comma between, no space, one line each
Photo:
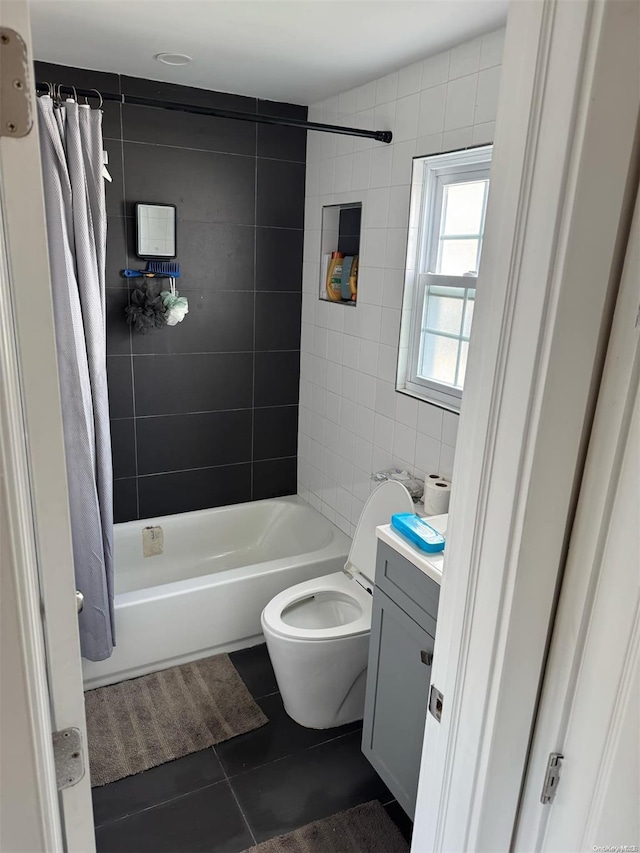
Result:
590,704
37,510
398,680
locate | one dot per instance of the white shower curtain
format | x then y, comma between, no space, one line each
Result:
72,161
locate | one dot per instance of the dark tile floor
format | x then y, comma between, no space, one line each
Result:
241,792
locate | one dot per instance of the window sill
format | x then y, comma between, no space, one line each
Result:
425,398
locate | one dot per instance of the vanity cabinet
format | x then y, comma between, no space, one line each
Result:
405,607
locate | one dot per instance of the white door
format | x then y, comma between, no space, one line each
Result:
590,706
36,509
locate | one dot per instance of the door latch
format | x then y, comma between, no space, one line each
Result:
551,778
436,701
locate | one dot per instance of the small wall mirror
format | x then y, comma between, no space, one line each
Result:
156,227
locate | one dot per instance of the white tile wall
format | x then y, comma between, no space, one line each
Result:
352,420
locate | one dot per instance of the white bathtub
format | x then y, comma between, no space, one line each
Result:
204,594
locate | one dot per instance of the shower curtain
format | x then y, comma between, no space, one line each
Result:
72,164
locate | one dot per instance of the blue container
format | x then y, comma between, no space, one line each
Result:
418,532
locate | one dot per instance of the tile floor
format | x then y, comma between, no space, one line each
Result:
241,792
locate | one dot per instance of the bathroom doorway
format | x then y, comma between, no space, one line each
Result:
48,665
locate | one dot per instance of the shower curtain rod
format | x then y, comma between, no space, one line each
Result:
378,135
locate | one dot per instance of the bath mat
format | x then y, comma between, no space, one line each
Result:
138,724
363,829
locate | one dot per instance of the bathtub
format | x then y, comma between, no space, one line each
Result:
204,594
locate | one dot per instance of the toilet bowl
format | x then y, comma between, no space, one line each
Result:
317,632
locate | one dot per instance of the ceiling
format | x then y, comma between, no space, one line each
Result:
299,51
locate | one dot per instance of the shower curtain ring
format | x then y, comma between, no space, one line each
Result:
75,94
50,89
100,96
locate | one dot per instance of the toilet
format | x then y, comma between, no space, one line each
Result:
317,632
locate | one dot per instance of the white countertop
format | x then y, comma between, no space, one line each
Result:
430,564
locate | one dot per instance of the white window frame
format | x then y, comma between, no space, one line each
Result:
430,176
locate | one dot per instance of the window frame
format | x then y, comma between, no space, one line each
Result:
431,174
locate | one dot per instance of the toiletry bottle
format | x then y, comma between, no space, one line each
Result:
345,283
353,279
334,276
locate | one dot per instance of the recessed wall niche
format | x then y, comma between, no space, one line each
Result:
340,252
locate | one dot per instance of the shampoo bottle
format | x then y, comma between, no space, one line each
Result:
334,277
353,279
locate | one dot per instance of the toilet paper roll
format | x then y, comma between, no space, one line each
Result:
437,492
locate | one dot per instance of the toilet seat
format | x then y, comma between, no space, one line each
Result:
353,585
339,584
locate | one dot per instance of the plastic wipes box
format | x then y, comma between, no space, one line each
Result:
418,532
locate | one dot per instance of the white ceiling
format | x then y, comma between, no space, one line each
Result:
299,51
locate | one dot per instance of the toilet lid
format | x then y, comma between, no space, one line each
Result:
381,504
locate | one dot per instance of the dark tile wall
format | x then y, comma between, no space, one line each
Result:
349,226
204,413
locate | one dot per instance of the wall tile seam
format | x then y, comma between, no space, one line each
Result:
209,467
345,116
195,288
313,161
206,150
253,361
203,352
126,216
205,412
127,227
319,105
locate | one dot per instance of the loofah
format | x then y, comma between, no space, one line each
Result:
146,310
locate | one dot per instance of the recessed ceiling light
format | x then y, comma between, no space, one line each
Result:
174,58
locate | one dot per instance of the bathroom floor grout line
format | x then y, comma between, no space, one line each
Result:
235,797
333,739
161,802
284,757
264,695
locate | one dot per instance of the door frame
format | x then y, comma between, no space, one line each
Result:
599,493
37,504
558,218
555,230
27,723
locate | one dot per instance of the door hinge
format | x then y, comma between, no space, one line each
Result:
68,757
551,778
16,109
436,701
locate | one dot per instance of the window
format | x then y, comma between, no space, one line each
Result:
448,203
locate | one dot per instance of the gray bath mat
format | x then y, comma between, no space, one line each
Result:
364,829
139,724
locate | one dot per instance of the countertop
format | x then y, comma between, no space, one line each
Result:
430,564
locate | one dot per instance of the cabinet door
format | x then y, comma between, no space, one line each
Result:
397,696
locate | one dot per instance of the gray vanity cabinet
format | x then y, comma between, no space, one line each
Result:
399,672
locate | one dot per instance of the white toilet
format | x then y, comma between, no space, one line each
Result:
317,632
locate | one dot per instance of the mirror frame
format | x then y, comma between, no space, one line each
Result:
140,204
